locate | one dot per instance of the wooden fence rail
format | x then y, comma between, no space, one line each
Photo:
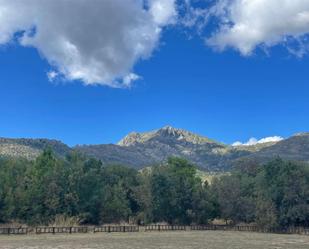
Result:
14,230
225,228
122,229
164,228
116,229
53,230
291,230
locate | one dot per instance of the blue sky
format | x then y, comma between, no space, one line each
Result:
225,95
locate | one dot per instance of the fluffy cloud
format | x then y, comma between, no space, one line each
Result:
100,41
97,41
246,24
254,141
52,75
163,11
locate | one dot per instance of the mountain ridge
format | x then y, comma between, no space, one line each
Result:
144,149
181,134
30,147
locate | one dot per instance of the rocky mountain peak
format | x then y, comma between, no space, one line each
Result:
131,139
167,132
170,131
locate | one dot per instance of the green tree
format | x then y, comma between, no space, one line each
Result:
286,186
43,188
120,194
178,194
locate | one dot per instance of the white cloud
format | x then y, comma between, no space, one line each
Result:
254,141
194,17
163,11
97,41
127,80
246,24
270,139
52,75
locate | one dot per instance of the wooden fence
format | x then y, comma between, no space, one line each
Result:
116,229
53,230
291,230
164,228
123,229
14,230
225,228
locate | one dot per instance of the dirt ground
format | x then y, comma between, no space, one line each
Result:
157,240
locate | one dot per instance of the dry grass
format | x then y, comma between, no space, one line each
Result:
64,221
158,240
13,224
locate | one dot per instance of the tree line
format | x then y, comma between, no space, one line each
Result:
36,192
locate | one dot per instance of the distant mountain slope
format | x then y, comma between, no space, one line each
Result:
145,149
140,150
148,148
115,154
293,148
30,148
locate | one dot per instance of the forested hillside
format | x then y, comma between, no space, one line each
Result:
37,192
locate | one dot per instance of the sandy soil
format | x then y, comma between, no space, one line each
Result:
157,240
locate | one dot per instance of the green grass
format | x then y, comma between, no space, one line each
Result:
158,240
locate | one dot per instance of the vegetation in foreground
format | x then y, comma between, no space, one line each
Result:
82,189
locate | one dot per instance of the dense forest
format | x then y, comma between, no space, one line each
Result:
36,192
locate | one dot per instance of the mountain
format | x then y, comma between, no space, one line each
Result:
145,149
30,148
148,148
140,150
164,134
295,148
